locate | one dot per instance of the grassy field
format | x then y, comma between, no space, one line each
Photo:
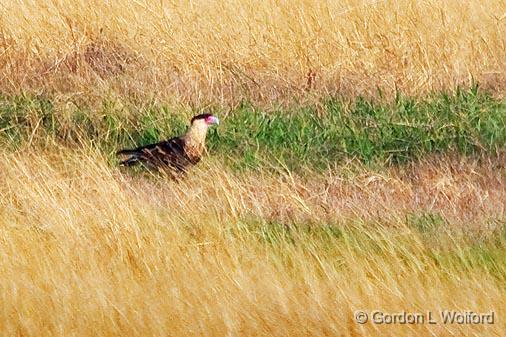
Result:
87,250
360,165
315,137
295,220
206,52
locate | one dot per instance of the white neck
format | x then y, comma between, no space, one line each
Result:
195,137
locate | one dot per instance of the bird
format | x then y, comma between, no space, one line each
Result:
176,154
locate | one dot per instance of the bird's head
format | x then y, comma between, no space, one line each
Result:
205,119
197,132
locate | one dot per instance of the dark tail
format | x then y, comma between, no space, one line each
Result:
129,162
127,152
132,160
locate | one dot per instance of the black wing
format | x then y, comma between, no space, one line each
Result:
168,152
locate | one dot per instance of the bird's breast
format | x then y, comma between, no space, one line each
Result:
194,154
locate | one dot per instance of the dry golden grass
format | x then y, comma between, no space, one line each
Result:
88,250
200,52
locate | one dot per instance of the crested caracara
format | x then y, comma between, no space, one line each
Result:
176,154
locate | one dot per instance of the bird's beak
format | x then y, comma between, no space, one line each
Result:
213,120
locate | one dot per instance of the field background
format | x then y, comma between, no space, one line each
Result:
202,52
360,165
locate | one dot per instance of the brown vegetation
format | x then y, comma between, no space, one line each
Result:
202,51
87,250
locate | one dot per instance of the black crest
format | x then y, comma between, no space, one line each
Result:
201,116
